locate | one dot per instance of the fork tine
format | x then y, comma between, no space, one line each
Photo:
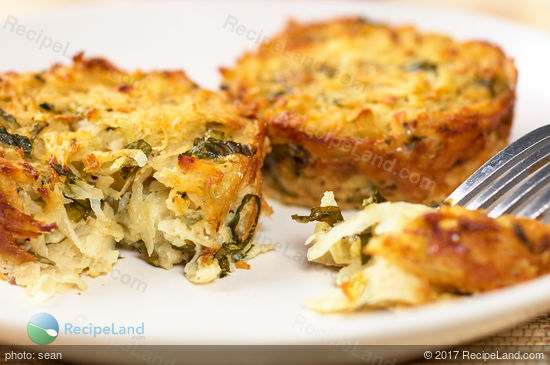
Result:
525,190
537,207
510,178
500,165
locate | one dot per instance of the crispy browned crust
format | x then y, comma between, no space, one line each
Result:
458,249
422,159
16,225
351,169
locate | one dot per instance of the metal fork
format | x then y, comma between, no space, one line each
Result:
515,181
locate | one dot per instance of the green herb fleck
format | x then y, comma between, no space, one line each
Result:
47,106
37,128
16,140
490,84
238,249
76,211
330,215
42,259
212,146
71,178
437,204
236,218
375,197
140,144
188,251
127,171
365,237
421,66
40,78
276,94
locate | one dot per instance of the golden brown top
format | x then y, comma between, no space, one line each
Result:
354,78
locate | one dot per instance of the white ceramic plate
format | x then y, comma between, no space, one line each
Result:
262,305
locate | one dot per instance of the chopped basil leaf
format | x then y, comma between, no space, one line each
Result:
235,221
71,178
76,211
375,197
16,140
330,215
142,145
222,256
212,147
42,259
236,249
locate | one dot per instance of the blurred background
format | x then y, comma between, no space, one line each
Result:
533,12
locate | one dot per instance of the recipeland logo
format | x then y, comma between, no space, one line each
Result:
43,329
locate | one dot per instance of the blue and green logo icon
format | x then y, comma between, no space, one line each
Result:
43,328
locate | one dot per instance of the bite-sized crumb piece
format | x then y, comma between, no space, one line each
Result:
402,254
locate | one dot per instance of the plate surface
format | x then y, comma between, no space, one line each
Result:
262,305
